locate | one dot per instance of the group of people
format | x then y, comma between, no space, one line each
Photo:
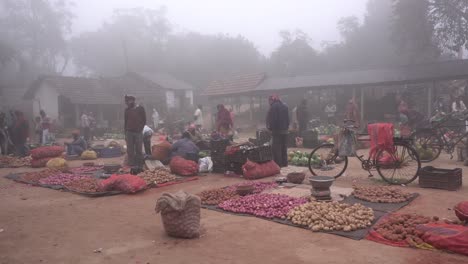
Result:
88,126
14,131
138,134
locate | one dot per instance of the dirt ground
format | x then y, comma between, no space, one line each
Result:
46,226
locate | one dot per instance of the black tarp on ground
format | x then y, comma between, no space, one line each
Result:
380,209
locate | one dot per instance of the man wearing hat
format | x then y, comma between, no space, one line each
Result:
134,122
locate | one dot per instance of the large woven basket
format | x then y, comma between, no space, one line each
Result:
296,177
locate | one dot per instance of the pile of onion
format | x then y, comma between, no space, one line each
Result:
258,186
216,196
263,205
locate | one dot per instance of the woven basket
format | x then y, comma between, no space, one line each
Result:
296,177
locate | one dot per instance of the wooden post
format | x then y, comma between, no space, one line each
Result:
362,105
429,99
77,115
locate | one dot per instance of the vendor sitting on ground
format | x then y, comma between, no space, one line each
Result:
185,148
195,136
77,146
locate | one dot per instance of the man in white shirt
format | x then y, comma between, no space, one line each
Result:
147,134
198,118
85,126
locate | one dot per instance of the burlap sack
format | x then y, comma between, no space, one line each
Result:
180,213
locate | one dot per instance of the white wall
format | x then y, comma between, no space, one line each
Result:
170,99
46,99
189,94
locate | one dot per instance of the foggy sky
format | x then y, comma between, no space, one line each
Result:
258,20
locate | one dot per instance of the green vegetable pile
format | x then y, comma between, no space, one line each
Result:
328,130
298,158
424,153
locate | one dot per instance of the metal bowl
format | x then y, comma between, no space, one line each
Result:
321,182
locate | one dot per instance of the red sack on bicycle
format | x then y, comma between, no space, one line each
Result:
381,137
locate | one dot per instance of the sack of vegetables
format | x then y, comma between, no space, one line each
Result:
58,164
88,155
180,213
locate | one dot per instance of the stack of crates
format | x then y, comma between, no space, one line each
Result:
218,147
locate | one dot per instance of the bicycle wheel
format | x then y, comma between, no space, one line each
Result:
324,161
428,145
398,165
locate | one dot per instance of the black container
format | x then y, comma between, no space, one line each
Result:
310,138
235,167
260,154
446,179
263,136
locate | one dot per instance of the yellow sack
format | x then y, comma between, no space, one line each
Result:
58,164
88,155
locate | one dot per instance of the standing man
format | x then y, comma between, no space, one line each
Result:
278,123
198,118
155,117
330,110
134,122
46,124
302,116
20,134
85,126
92,125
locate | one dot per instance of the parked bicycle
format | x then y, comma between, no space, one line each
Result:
445,134
398,164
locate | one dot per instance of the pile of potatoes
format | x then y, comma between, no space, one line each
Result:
381,194
157,176
332,216
403,227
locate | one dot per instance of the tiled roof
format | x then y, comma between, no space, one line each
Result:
235,85
166,81
100,90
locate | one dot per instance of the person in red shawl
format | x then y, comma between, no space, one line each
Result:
21,134
223,120
278,123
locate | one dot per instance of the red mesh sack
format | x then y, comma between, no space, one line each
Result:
47,152
461,210
183,167
254,170
444,236
40,163
126,183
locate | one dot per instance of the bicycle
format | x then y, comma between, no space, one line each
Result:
431,141
398,164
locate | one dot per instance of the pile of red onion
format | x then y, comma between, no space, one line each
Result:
258,186
61,178
263,205
85,169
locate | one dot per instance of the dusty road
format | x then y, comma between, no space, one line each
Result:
46,226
